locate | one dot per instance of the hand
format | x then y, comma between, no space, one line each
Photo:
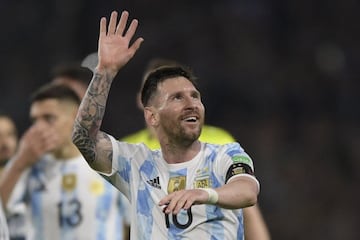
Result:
36,141
113,50
183,199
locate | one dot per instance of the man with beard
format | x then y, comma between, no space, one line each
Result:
212,182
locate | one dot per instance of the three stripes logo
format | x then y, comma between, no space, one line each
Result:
154,182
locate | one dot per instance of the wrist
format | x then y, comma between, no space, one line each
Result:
213,197
105,71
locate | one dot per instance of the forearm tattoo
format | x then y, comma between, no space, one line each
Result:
86,133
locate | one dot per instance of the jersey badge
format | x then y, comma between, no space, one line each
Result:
202,178
96,187
69,182
176,183
242,159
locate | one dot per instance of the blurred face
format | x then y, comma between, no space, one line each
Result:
179,110
57,115
8,139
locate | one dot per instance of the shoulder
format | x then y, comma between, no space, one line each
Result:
133,137
142,136
44,162
216,135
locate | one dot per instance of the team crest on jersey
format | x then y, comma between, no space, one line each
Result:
176,183
69,182
97,187
202,178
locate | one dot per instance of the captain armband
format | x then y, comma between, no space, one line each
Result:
238,168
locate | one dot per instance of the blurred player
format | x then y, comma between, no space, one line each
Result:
65,198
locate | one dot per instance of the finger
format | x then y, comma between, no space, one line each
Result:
122,23
102,30
164,201
112,23
132,29
179,205
187,205
173,203
135,46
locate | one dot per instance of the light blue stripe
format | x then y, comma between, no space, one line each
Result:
102,211
36,203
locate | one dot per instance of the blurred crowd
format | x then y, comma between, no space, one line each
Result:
281,76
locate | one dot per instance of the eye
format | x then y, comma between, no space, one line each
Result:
49,118
196,95
178,96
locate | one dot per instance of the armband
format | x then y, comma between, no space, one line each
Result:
238,168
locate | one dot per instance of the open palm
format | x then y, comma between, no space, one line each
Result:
114,42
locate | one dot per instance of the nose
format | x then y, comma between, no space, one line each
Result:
191,102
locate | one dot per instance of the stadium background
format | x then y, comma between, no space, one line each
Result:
281,76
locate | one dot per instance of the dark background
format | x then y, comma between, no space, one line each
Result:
281,76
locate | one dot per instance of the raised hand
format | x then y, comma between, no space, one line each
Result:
36,141
114,49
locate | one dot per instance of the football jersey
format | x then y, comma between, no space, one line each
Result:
209,134
4,232
17,223
66,199
145,178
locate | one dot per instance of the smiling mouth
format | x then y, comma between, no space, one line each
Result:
190,119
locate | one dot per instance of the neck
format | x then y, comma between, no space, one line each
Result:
67,152
176,153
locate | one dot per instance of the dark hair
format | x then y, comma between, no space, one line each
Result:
159,75
55,91
73,71
159,62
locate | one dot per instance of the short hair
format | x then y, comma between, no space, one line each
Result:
55,91
159,75
158,62
74,71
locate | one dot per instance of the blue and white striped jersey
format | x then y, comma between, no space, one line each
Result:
66,199
145,178
4,231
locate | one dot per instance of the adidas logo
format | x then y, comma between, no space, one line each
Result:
155,182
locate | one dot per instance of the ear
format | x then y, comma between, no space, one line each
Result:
151,116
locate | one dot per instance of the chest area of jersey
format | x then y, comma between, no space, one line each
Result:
171,180
58,182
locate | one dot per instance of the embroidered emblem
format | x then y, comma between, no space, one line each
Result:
202,178
176,183
97,187
69,182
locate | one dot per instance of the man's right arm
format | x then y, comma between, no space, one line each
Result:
94,144
37,140
114,51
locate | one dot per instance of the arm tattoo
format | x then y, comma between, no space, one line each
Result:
86,133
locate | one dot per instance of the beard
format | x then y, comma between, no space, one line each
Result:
181,134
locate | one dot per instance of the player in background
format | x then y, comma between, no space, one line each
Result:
8,146
64,197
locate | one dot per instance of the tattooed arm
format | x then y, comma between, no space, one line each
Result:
114,51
